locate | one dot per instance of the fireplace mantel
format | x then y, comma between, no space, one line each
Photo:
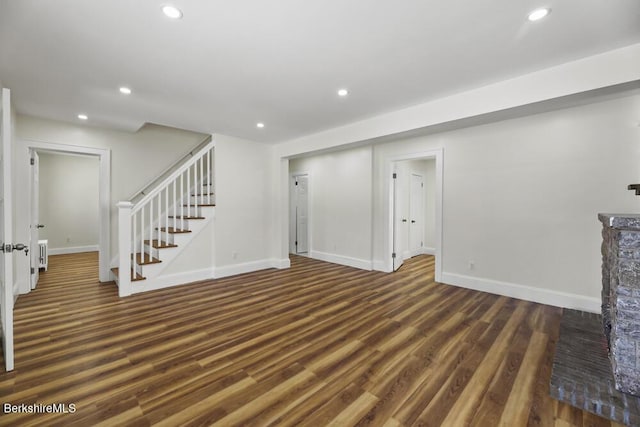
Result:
621,297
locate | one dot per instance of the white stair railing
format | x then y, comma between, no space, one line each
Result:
162,211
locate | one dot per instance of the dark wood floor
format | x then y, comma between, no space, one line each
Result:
318,344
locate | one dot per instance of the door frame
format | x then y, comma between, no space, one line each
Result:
438,155
34,211
104,196
413,252
292,217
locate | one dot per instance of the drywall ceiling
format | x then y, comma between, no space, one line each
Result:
227,65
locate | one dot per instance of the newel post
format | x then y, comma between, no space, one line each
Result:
124,248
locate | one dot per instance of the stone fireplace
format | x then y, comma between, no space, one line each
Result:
621,297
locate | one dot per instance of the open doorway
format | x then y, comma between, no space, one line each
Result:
299,214
415,208
103,158
65,214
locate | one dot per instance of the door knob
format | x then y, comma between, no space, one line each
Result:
8,248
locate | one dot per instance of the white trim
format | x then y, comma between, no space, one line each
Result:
428,251
381,266
104,197
280,263
438,155
248,267
524,292
362,264
190,277
74,250
177,279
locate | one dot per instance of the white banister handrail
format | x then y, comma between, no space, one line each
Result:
175,174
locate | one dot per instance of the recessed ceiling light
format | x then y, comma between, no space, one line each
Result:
83,116
260,125
125,90
539,14
343,92
172,12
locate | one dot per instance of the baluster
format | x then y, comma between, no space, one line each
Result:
151,221
166,207
195,185
201,189
209,177
142,229
133,235
175,204
188,190
159,197
182,200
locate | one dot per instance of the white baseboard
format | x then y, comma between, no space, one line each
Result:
73,250
523,292
280,263
343,260
428,251
381,266
169,280
249,267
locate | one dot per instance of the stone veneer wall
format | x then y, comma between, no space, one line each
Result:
621,297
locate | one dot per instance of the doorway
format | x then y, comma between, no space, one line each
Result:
299,214
415,208
103,157
64,206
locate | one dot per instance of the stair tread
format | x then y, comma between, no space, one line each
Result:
203,194
135,278
186,217
148,259
161,245
172,230
200,204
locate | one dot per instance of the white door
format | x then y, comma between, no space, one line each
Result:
399,222
301,192
416,214
35,220
6,263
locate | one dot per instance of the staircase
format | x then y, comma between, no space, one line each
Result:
157,224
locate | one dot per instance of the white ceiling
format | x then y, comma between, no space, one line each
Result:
227,65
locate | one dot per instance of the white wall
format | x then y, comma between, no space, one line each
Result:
243,202
521,198
339,205
68,202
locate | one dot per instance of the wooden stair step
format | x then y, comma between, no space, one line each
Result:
635,187
134,278
186,217
172,230
203,194
199,204
160,244
146,259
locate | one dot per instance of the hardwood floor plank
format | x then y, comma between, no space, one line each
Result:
317,344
